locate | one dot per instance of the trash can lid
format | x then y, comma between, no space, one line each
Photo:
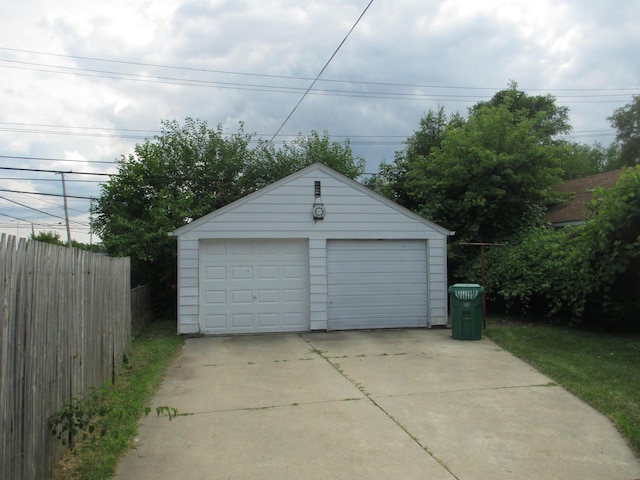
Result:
465,285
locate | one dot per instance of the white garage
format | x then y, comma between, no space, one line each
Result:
314,251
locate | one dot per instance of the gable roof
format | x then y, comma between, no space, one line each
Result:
574,211
301,173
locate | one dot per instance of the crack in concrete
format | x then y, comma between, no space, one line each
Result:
369,397
269,407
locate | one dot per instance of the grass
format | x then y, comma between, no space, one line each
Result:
601,368
97,457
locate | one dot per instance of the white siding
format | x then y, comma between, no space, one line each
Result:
283,210
318,283
188,302
438,293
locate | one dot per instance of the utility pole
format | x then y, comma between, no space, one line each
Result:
66,209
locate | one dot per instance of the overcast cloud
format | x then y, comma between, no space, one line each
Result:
84,81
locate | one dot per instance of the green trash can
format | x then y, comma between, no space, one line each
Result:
466,311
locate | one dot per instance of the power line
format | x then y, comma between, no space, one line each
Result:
11,157
288,77
46,194
321,72
326,92
48,180
39,211
52,171
52,226
84,128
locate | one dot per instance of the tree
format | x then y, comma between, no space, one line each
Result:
392,180
580,160
49,237
55,239
549,119
494,174
626,121
184,173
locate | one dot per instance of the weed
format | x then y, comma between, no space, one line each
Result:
109,416
169,411
81,416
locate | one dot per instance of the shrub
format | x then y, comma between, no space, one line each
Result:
589,272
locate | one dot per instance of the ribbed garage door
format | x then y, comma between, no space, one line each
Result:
376,284
253,286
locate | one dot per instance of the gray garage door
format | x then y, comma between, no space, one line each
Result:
254,286
377,284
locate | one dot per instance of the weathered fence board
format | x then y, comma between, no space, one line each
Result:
140,308
65,323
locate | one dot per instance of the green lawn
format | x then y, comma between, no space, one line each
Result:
603,369
151,354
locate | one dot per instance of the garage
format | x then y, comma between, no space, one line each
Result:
254,286
375,283
313,251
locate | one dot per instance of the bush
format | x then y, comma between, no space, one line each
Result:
589,272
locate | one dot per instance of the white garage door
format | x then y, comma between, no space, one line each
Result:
253,286
377,284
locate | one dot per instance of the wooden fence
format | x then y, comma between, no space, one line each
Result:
141,313
64,327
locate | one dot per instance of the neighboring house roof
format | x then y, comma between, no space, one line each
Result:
574,212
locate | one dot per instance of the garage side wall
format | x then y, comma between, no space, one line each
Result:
188,287
438,290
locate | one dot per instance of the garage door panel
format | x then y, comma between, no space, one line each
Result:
241,321
377,284
268,272
268,320
218,297
268,296
389,312
375,274
374,290
254,286
293,319
375,301
215,322
215,273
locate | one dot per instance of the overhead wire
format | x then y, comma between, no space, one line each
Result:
68,180
47,194
53,171
39,211
291,77
321,72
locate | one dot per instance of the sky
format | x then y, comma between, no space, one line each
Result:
82,82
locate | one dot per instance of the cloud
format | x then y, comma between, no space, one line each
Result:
119,68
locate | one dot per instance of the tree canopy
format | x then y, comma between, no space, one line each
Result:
485,176
626,121
186,172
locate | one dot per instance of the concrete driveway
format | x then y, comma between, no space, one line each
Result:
390,404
